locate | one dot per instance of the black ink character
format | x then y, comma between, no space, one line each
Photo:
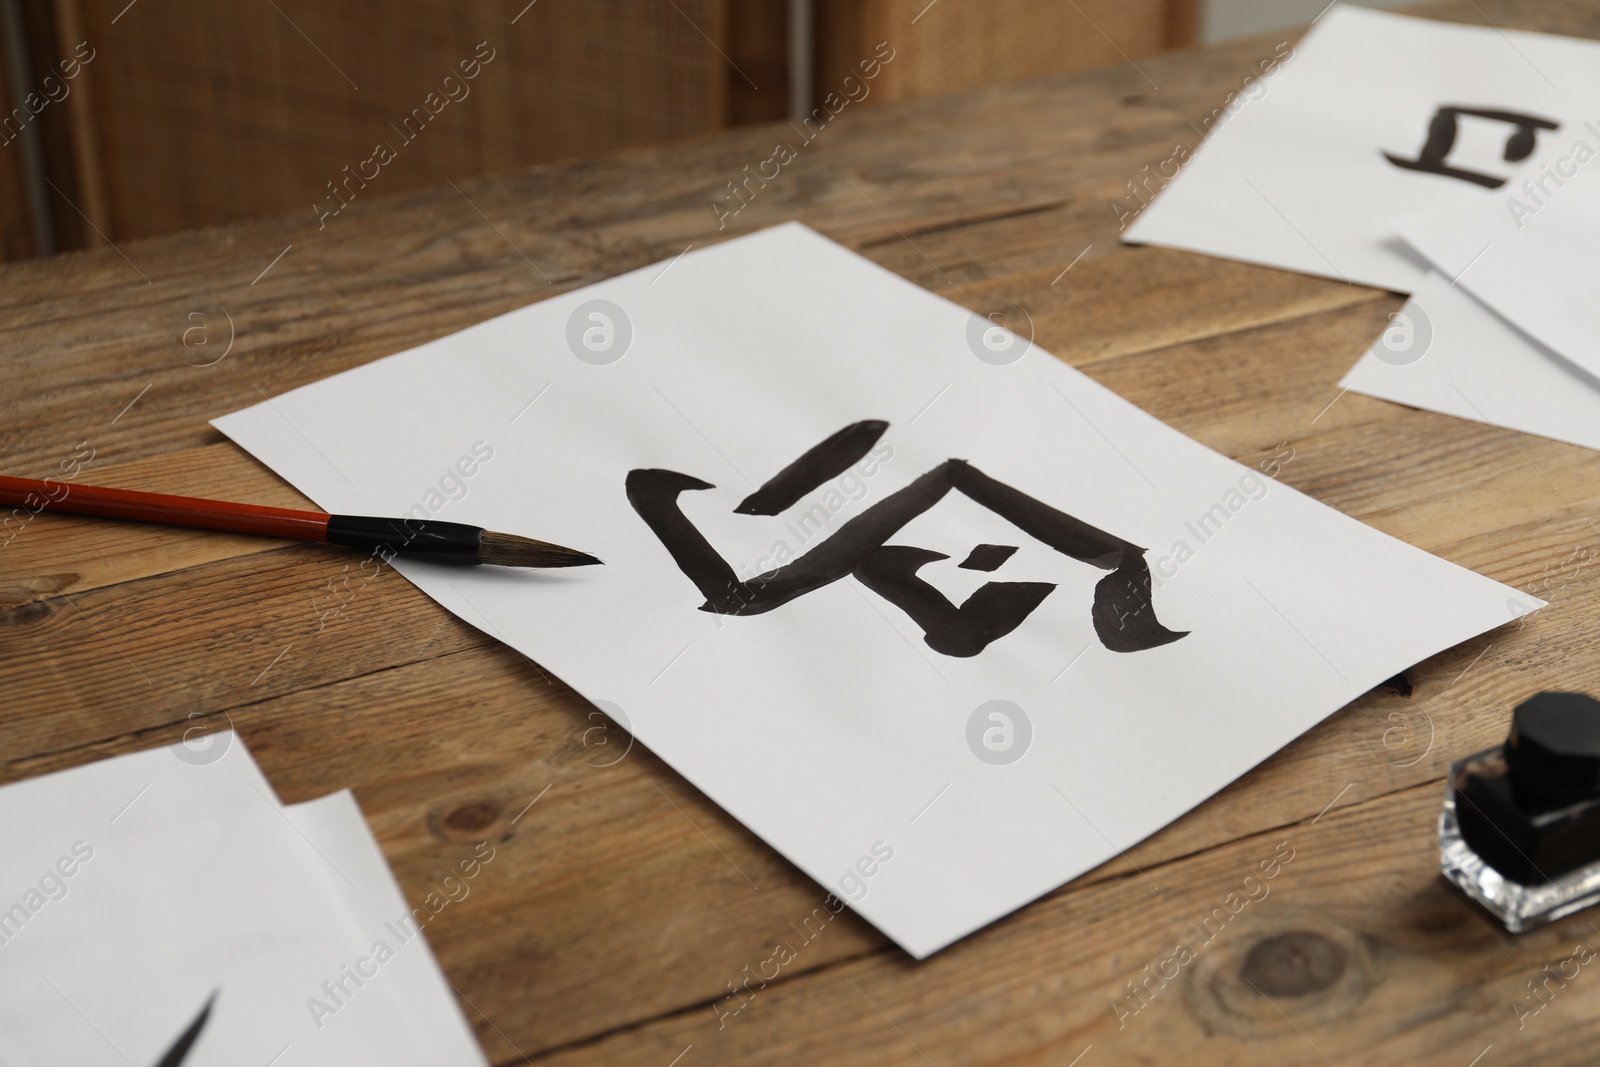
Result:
987,557
1122,614
1442,138
179,1052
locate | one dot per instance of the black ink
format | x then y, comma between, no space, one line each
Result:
987,557
821,463
991,612
180,1048
1123,617
1442,138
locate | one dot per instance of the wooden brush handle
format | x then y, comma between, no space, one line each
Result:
51,495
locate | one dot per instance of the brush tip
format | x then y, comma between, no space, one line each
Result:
509,550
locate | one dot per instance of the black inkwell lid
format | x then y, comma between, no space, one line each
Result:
1531,809
1554,746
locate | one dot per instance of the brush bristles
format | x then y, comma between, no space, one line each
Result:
509,550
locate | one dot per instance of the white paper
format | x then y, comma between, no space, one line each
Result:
1444,351
1296,175
133,889
828,725
375,904
1532,252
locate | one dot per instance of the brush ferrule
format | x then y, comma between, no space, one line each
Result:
446,542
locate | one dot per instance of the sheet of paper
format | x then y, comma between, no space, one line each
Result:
1444,351
335,827
875,568
1375,116
1531,252
135,891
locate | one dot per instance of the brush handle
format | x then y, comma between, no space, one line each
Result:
435,539
51,495
444,541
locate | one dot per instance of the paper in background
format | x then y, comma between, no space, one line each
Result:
828,725
1532,253
1445,351
1499,328
1297,177
1506,328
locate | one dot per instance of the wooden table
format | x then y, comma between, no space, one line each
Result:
622,907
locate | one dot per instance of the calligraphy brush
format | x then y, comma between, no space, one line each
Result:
452,542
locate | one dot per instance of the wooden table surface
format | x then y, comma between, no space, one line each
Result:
622,907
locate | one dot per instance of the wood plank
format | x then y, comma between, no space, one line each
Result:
1360,951
110,661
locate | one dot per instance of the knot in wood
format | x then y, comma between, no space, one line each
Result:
1294,964
472,817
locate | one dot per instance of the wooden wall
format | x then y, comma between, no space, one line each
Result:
950,45
16,238
198,114
206,113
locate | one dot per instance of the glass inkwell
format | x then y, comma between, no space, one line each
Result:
1520,830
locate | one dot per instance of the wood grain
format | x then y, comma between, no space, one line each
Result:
1413,975
622,904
